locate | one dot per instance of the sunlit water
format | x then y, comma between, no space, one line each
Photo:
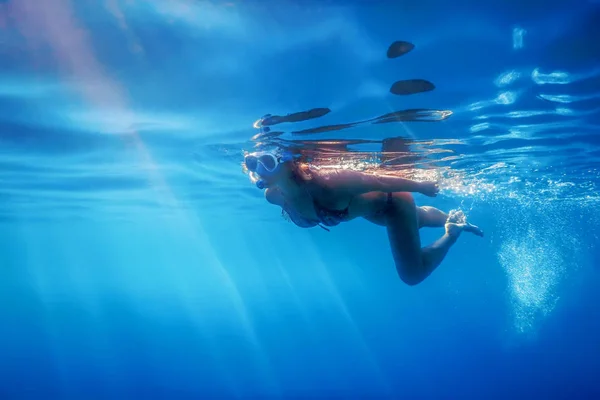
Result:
139,260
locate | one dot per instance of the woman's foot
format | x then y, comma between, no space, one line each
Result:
457,222
474,229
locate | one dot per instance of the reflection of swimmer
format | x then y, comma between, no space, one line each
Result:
327,197
270,119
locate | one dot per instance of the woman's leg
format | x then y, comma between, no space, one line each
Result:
414,263
403,218
372,206
431,217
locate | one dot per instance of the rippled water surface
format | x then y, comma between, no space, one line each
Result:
139,259
123,99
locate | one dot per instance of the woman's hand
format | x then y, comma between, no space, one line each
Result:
430,189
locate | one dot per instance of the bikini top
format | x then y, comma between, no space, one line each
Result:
326,217
330,217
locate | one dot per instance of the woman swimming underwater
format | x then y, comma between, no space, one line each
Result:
314,196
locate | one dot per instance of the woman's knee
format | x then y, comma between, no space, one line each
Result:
411,272
411,279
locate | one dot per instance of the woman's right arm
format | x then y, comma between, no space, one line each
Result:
355,182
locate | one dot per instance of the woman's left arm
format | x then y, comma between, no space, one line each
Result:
355,183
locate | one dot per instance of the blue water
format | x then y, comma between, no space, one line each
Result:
139,261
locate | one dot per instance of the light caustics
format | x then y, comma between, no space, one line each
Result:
53,25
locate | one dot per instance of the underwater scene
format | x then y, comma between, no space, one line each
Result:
290,199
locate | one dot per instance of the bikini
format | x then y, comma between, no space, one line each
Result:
326,217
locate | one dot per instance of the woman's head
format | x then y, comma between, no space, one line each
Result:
267,168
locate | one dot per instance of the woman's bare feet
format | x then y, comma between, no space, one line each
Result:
457,222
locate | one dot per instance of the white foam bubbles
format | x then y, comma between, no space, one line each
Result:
534,267
507,78
555,77
506,98
518,38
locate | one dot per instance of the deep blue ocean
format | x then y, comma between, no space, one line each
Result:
138,261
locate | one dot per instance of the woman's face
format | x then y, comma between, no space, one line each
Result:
278,177
268,167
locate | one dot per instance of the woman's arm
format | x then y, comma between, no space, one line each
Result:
355,182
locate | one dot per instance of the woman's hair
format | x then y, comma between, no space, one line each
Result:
301,171
251,175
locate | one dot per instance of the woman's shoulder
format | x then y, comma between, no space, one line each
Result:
314,173
323,178
304,172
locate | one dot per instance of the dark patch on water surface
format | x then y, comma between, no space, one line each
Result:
411,115
325,128
399,48
414,115
269,119
411,86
